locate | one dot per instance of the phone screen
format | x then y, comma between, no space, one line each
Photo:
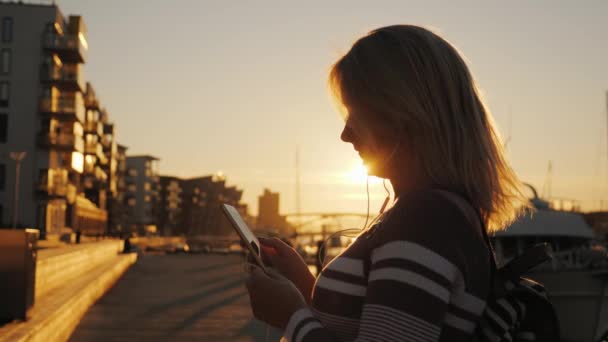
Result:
243,230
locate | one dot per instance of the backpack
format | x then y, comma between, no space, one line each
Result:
518,308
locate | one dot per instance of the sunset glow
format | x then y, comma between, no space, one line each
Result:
358,175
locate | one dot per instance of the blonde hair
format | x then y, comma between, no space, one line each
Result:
410,78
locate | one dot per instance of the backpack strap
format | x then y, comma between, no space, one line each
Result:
473,216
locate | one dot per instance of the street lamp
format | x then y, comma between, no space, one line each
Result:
17,157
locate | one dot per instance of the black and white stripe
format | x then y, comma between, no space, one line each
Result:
397,284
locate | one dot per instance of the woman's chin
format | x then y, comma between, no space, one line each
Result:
372,171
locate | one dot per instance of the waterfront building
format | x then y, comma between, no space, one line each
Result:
269,218
47,123
170,205
142,194
201,200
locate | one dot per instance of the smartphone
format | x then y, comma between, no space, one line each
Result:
246,235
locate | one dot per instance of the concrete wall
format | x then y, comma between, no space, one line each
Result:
69,281
53,270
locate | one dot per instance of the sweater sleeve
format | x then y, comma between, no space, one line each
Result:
415,287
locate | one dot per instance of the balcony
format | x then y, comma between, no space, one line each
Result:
68,77
94,127
93,175
53,182
66,107
92,147
69,47
67,142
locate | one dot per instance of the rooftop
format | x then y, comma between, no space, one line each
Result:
143,156
549,223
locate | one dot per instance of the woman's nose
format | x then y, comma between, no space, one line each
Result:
347,134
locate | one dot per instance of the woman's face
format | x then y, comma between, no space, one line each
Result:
374,143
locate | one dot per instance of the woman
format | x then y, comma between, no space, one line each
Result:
422,273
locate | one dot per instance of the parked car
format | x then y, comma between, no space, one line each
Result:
179,247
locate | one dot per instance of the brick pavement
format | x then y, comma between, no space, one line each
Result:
176,298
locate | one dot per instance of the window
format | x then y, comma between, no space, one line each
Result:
3,127
147,186
5,61
2,176
4,94
7,29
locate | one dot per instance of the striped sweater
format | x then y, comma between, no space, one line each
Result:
421,274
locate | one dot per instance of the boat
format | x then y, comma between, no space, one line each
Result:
576,279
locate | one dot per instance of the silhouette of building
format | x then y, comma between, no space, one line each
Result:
66,174
201,200
268,214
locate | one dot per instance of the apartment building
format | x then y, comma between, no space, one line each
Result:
201,213
56,142
142,195
170,206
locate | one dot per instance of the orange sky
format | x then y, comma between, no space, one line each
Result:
210,86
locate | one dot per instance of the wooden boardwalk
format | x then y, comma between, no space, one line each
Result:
176,298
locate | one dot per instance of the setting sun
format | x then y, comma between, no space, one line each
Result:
358,175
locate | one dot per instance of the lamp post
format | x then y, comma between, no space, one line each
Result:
17,157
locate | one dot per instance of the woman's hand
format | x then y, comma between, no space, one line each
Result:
288,262
273,297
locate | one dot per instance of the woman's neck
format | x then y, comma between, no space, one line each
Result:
403,185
